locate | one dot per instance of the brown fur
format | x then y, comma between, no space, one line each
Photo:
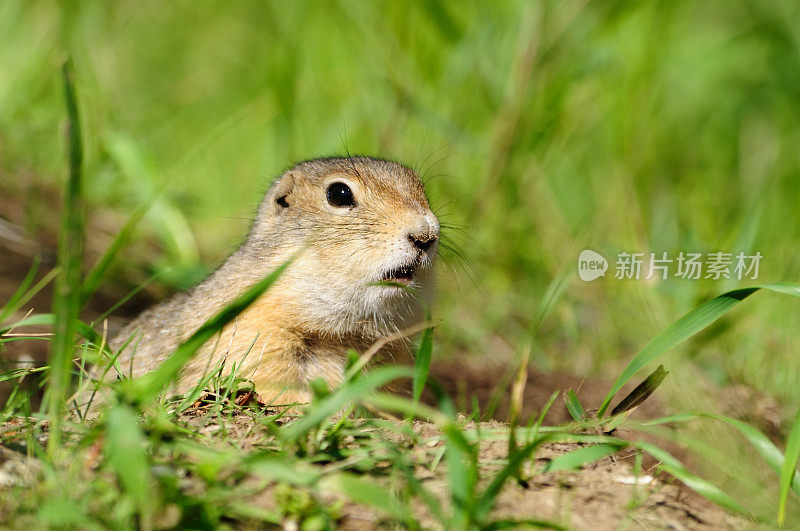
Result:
324,304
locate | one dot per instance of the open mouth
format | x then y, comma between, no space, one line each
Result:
401,275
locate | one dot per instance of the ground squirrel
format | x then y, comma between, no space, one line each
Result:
355,221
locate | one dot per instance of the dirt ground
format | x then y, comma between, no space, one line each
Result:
603,495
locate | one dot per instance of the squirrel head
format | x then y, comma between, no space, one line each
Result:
354,223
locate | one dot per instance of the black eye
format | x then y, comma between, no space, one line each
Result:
340,195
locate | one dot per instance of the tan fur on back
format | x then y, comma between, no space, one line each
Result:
325,303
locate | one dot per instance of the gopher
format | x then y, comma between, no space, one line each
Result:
351,223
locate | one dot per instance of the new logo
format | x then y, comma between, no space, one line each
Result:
591,265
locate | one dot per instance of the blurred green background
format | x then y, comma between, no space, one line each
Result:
541,129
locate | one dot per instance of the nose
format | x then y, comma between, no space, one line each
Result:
425,234
422,243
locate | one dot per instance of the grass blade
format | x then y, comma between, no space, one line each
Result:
486,501
553,294
583,456
67,297
674,467
642,391
367,493
789,469
409,408
462,475
13,374
515,407
687,326
573,405
23,294
760,442
292,471
127,456
95,275
11,306
81,328
168,221
519,524
422,360
349,392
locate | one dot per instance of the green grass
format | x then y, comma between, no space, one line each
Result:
541,129
67,300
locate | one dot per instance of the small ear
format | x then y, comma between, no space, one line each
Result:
279,197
